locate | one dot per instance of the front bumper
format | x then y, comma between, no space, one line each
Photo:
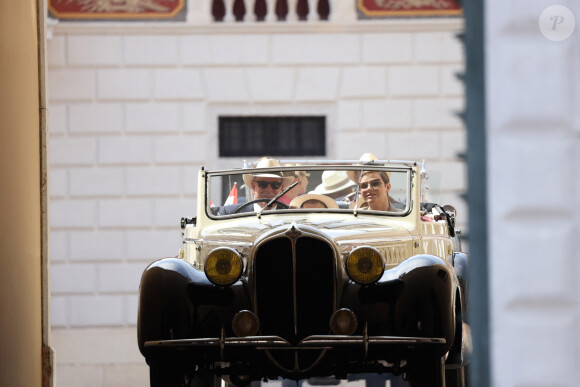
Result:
404,344
327,353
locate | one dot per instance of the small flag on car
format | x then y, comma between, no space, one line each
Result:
233,196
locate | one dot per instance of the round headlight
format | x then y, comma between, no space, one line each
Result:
365,265
343,322
245,323
223,266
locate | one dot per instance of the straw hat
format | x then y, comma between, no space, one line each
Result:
365,158
295,173
368,157
267,162
333,181
299,200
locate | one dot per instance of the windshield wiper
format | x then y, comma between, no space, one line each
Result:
277,197
354,212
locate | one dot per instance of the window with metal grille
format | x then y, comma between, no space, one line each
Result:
274,136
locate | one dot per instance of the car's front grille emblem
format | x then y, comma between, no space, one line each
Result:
293,232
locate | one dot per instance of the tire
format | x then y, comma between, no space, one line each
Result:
455,377
168,375
206,381
427,374
238,381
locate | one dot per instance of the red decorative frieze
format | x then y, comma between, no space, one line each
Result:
116,9
381,8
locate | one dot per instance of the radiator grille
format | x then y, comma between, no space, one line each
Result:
294,309
273,271
315,286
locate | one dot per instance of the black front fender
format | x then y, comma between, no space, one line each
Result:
177,301
426,306
414,299
164,308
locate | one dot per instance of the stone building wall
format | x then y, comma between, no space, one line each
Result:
133,111
533,94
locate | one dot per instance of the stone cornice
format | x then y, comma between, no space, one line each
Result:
447,24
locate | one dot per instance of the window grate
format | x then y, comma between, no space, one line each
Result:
273,136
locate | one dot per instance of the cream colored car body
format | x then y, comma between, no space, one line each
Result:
397,238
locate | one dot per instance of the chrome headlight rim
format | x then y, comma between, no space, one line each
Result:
352,275
251,326
343,315
209,266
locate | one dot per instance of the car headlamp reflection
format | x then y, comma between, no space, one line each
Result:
223,266
365,265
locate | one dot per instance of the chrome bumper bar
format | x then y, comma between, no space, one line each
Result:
311,342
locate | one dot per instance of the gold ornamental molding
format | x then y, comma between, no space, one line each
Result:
406,8
115,9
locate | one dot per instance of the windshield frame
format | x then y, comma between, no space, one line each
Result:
355,165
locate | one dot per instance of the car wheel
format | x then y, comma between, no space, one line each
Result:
427,374
168,375
206,381
455,377
239,381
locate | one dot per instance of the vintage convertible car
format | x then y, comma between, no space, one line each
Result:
286,291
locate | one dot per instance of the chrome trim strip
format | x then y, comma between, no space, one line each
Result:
293,234
371,340
249,341
394,165
311,342
296,370
377,165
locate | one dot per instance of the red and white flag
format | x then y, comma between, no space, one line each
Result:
233,196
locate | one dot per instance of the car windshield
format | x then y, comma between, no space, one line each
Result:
384,190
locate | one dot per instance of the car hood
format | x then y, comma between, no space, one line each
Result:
339,229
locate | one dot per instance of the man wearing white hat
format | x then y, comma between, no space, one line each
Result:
263,185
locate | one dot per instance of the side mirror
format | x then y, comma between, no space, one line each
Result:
451,215
450,210
185,221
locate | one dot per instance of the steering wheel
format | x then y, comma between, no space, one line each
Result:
278,204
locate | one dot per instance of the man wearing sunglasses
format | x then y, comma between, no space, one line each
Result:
264,185
265,188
